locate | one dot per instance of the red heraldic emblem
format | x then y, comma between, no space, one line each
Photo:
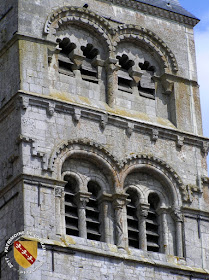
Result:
25,252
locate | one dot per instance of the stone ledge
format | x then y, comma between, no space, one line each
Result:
169,262
155,11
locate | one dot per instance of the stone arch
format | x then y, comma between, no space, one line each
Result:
161,171
83,17
78,178
85,149
150,40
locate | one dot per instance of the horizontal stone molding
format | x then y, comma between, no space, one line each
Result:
158,132
155,11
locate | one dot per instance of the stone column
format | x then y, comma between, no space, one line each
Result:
162,212
177,216
59,214
142,213
107,230
119,204
112,79
82,199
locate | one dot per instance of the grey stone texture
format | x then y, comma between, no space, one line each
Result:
105,94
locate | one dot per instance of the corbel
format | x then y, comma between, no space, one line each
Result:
23,102
51,109
205,147
179,141
77,58
168,84
155,134
103,121
135,73
77,115
129,129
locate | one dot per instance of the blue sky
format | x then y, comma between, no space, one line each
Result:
200,8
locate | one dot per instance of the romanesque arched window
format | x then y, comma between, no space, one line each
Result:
71,210
88,208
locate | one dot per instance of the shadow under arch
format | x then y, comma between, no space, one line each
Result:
174,196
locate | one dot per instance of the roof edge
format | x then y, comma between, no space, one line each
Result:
155,10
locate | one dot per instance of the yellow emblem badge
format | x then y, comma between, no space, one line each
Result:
25,252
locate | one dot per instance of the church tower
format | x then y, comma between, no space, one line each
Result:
103,161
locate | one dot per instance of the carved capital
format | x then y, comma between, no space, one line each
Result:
143,209
82,198
59,191
176,214
119,200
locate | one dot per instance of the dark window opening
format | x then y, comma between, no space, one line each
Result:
65,63
152,225
146,86
88,71
149,91
92,213
132,221
71,211
124,80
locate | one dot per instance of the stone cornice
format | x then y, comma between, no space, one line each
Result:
154,11
96,248
154,130
129,124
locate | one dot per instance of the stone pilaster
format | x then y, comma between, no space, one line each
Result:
82,199
119,204
59,210
177,216
112,80
142,213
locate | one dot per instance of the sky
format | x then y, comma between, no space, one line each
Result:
200,8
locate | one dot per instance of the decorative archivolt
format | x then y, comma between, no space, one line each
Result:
117,169
148,39
61,17
67,15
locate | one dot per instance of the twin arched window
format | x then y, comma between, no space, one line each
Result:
91,207
84,216
143,228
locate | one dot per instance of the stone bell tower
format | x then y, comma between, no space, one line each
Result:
102,153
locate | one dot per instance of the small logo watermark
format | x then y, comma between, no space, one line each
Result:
25,252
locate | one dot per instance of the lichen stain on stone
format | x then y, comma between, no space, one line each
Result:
61,95
85,99
113,248
70,240
206,195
